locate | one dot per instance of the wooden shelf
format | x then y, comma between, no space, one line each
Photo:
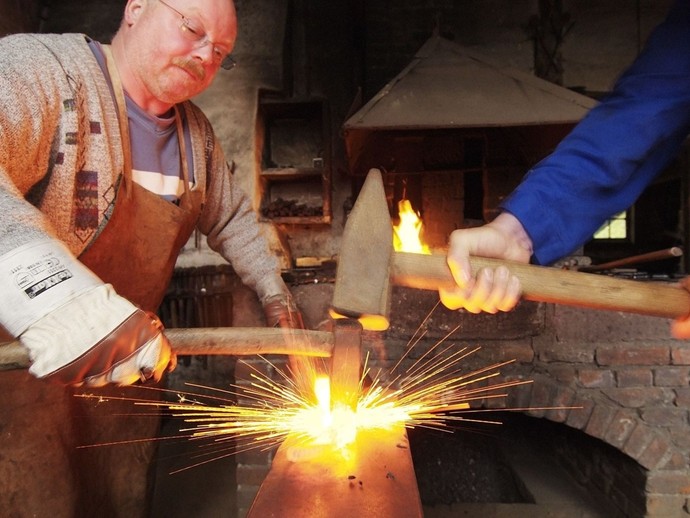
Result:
297,133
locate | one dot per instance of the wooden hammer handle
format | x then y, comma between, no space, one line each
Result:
234,341
546,284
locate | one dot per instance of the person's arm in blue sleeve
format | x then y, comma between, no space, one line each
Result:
615,151
597,171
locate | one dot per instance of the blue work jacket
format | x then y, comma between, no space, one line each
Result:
608,159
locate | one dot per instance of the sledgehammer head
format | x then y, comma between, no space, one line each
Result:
362,283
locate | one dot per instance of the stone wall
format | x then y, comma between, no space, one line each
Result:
19,16
631,379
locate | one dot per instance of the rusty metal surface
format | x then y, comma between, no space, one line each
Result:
373,478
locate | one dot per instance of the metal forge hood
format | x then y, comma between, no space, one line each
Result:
447,87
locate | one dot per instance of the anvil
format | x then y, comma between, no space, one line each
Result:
371,477
374,478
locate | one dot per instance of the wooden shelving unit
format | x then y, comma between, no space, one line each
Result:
295,161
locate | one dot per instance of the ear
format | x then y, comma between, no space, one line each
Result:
133,10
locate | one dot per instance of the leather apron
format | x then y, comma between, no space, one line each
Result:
137,250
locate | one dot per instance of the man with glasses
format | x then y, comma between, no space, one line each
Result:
106,168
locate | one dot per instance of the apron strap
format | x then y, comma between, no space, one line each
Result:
185,198
121,111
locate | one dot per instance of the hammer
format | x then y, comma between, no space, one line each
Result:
368,267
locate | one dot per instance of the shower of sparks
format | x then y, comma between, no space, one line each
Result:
433,392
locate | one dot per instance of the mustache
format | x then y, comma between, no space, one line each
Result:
191,66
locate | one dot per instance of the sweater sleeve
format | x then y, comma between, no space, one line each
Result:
28,127
605,163
232,228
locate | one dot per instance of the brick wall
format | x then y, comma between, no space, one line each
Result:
627,374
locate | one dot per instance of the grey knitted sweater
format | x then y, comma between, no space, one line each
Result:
61,159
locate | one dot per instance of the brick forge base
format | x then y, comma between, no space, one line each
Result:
628,378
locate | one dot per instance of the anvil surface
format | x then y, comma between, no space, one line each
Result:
373,477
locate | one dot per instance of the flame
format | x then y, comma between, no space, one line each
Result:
407,234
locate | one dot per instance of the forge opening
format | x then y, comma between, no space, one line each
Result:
525,461
464,466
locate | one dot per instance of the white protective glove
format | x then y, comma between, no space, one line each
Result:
76,328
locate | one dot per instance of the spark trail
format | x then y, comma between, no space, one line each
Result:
433,392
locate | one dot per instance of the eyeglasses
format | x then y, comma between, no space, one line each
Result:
198,36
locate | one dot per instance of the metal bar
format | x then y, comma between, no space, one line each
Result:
233,341
658,255
346,361
374,477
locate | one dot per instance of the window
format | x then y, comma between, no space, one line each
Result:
615,227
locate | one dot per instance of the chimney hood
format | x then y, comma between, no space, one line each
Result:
449,89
